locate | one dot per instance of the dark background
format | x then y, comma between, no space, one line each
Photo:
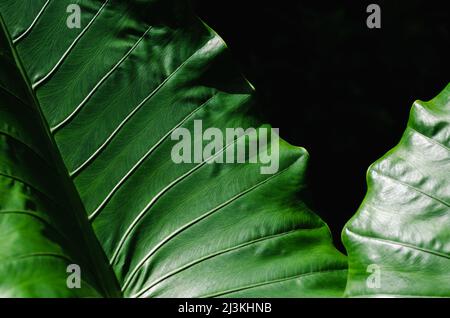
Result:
332,85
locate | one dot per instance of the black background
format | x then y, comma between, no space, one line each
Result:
350,307
334,86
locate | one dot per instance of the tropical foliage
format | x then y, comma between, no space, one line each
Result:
86,175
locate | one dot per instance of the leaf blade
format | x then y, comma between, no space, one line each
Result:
41,232
402,224
134,89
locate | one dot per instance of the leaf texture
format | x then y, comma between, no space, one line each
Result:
403,224
43,228
111,93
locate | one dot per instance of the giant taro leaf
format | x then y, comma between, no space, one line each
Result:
42,228
105,99
398,243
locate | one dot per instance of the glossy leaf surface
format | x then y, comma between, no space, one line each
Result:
43,228
399,242
111,93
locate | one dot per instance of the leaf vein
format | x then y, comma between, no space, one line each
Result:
129,116
33,23
69,49
215,254
98,84
140,161
407,245
197,220
272,282
411,187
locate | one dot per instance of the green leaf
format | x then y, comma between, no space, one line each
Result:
111,93
402,227
43,228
